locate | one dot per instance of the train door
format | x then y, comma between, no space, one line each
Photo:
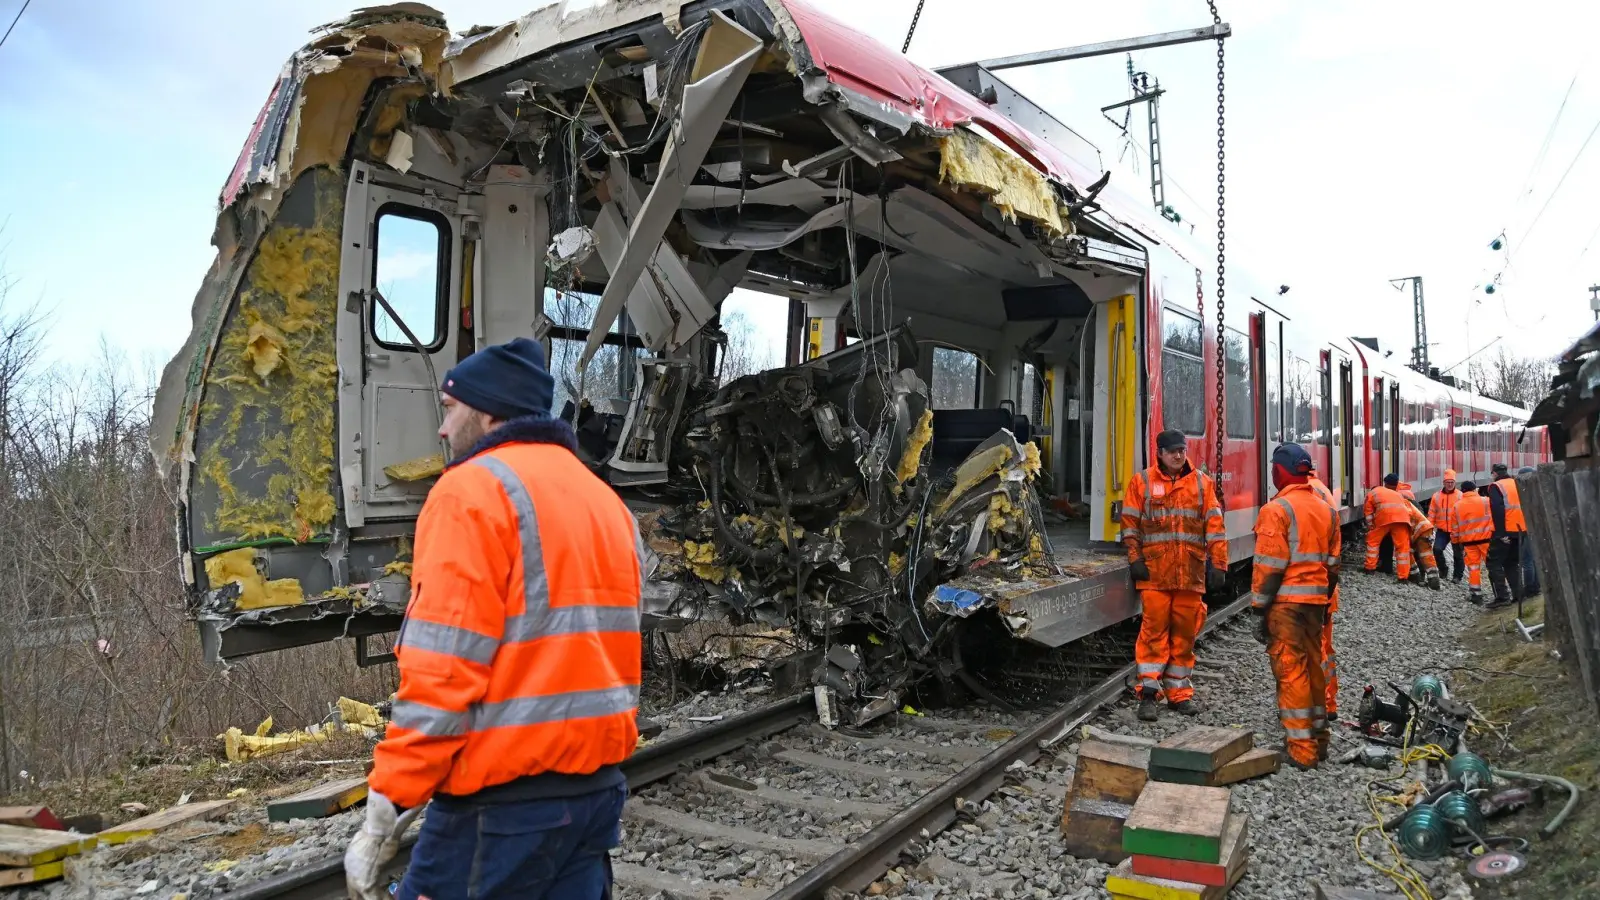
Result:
401,270
1347,472
1328,433
1242,483
1379,438
1117,423
1393,445
1264,355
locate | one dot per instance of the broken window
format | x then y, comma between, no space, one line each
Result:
1240,387
608,382
411,249
1183,405
955,379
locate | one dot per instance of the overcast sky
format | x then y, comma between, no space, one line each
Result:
1366,141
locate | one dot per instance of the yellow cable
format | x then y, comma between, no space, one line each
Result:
1407,879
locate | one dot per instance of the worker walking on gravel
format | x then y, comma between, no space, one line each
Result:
519,659
1510,528
1330,663
1295,573
1427,568
1387,515
1441,511
1474,530
1177,550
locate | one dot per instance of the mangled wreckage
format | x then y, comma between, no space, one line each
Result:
963,396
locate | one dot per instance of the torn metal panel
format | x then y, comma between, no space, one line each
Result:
726,55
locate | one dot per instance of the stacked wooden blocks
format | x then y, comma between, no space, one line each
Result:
34,849
1210,756
1106,783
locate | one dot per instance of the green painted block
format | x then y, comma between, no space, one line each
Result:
1178,821
1179,776
1202,749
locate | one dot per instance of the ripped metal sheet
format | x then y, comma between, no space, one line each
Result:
727,54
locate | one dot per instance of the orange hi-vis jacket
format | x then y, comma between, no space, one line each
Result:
520,651
1297,536
1322,492
1404,489
1441,510
1173,524
1474,523
1386,506
1421,526
1515,522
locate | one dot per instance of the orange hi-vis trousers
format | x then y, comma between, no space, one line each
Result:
1165,651
1400,534
1425,557
1476,555
1295,647
1330,668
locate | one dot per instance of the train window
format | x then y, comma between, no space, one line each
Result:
1325,408
955,379
412,268
1183,403
1240,387
1274,392
1298,388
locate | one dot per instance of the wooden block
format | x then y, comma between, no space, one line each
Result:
160,821
21,846
321,801
88,823
1202,749
1110,772
1253,763
1178,821
32,874
30,817
1235,850
1092,829
1123,882
1093,733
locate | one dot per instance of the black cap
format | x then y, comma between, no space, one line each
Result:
1171,440
1391,479
1468,486
1294,459
1500,467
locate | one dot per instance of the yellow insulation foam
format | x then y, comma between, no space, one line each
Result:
1012,185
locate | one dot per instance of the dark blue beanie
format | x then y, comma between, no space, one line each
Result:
506,381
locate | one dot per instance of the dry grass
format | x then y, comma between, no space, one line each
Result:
1553,731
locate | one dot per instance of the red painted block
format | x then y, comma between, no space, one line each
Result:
1235,849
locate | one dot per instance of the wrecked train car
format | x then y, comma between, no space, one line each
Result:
407,196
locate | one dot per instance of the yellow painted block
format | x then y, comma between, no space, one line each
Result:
32,874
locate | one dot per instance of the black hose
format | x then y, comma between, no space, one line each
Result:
715,490
795,500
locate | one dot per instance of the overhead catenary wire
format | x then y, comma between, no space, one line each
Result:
1528,234
18,17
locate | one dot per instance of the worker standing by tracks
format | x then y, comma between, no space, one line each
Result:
1177,549
1510,530
1441,511
1387,515
1296,571
1474,530
1330,662
519,658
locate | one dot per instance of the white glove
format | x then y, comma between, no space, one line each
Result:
374,845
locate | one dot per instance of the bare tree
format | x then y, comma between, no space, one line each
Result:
1519,380
746,353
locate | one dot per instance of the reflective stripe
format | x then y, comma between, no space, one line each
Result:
535,584
1272,562
1151,668
1168,537
1172,683
1303,734
1303,590
1179,671
461,643
571,620
429,720
1294,713
540,710
1260,600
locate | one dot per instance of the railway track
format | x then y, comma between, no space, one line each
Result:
720,766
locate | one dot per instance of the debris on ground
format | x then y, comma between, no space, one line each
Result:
351,717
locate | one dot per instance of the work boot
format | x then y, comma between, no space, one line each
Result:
1475,596
1499,603
1283,752
1185,708
1148,710
1433,582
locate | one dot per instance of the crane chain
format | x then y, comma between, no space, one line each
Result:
1222,258
915,17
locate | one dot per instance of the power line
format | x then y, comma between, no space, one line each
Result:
1549,136
14,21
1557,189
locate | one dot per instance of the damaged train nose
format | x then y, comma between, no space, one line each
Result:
821,509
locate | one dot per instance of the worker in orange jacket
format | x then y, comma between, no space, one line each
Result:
519,658
1510,530
1422,531
1330,663
1296,570
1441,511
1474,530
1387,515
1177,549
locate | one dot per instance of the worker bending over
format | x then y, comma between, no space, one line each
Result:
1296,571
1441,512
1177,549
1330,665
1510,528
1474,530
1422,531
1388,515
519,659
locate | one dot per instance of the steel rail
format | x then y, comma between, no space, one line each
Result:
852,869
324,878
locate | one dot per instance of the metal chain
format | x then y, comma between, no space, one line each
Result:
913,29
1222,258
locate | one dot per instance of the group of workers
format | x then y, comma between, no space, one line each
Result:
1172,530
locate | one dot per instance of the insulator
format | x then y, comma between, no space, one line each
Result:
1470,770
1424,834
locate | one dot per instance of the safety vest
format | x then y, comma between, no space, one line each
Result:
1514,519
1441,509
1322,492
1404,489
1297,534
1474,523
1385,506
1421,526
1173,525
520,651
